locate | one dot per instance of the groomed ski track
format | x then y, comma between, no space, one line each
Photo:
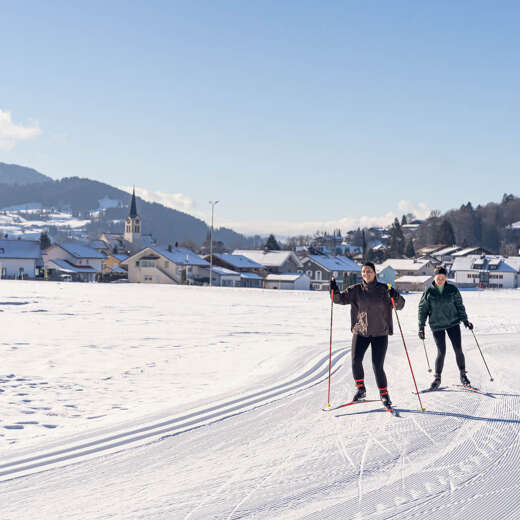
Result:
273,454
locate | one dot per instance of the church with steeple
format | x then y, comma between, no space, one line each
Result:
132,240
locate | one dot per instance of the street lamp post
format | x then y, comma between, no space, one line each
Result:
213,203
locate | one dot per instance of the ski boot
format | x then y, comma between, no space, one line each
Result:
464,378
361,392
436,383
385,398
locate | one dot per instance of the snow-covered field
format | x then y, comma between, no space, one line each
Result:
159,402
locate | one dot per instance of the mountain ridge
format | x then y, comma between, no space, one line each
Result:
82,196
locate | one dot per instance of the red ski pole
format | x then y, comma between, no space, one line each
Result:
330,346
406,350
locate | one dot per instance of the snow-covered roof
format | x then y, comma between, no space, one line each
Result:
98,244
268,258
178,255
414,279
80,250
20,249
238,261
251,276
467,251
334,263
479,263
119,257
67,267
447,251
285,277
404,264
118,270
514,262
224,272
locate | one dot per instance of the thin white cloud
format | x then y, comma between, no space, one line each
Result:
294,228
176,201
11,133
281,228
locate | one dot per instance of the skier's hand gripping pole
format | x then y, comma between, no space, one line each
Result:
406,350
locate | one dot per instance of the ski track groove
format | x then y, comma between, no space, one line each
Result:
166,428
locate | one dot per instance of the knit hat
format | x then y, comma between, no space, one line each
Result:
440,270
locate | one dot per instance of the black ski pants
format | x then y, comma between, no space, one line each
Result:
360,345
440,340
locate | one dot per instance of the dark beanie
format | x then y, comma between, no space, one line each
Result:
440,270
371,265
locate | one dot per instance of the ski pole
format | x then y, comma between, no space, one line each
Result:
483,358
426,353
406,350
330,346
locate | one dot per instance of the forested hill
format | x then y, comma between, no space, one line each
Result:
83,196
488,226
15,174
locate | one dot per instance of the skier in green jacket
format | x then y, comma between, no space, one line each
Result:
442,303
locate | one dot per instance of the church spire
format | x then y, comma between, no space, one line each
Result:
133,207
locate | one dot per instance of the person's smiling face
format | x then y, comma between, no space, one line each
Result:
440,279
368,274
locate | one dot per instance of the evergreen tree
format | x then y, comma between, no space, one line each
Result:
397,241
410,249
446,235
272,244
403,220
45,241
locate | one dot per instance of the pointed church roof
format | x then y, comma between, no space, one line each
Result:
133,207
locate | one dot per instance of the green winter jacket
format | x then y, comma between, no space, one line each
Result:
444,309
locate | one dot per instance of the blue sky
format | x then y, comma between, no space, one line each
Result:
296,115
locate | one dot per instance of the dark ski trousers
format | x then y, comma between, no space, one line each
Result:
360,345
440,340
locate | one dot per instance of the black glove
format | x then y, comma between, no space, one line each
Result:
333,286
468,325
421,334
393,293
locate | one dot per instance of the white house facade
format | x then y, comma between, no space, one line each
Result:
485,271
19,258
176,266
321,268
297,281
275,262
73,260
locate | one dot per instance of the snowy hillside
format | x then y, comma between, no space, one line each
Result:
129,401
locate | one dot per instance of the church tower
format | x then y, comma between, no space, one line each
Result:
133,225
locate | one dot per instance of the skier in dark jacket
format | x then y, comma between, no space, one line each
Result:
371,324
442,304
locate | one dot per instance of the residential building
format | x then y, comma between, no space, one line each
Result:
287,281
276,262
113,268
73,260
485,271
409,267
446,253
239,263
470,251
430,249
221,276
19,258
251,280
320,269
176,265
385,274
413,283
